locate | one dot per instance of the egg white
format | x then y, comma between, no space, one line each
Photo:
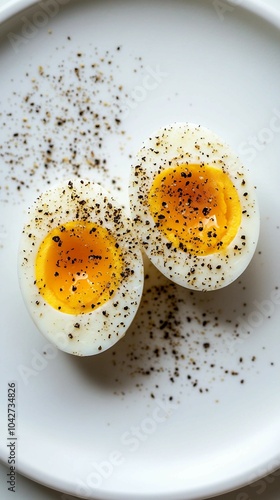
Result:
173,145
89,333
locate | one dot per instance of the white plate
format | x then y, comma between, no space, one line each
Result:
154,417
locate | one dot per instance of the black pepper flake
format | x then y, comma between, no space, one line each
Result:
205,211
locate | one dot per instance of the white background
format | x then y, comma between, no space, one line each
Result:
265,489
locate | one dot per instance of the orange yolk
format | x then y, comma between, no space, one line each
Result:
78,267
196,207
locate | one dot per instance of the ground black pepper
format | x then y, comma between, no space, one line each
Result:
67,123
177,337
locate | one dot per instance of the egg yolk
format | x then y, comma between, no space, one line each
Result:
196,207
78,267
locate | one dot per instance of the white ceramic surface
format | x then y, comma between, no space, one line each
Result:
105,430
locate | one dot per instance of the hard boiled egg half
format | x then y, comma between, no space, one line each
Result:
80,268
194,208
